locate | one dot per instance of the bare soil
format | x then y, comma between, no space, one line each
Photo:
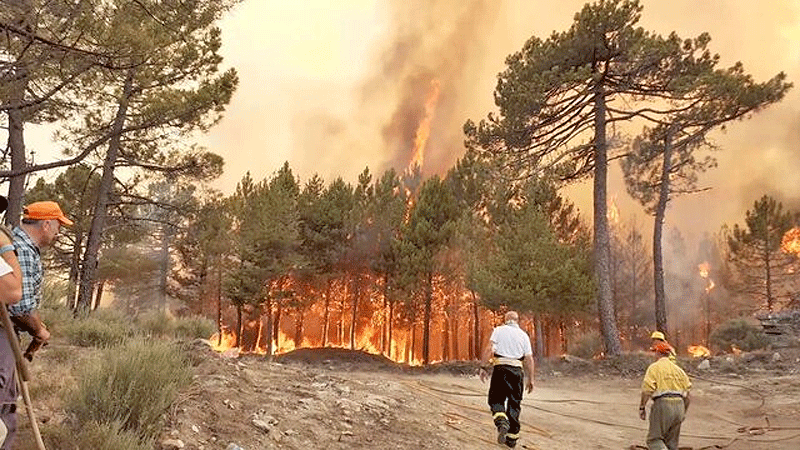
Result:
339,399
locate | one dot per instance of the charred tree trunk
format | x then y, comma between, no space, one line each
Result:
454,332
219,298
327,314
277,325
768,272
426,325
391,328
72,286
658,229
239,326
268,310
605,304
298,328
90,257
99,294
476,337
539,338
354,313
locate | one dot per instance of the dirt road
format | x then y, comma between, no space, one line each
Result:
329,404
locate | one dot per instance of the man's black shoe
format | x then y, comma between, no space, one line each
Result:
511,443
502,430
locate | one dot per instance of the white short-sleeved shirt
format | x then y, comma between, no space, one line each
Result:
510,341
5,269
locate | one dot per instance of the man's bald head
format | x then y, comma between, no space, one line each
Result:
512,316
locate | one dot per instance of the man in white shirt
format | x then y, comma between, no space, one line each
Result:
509,352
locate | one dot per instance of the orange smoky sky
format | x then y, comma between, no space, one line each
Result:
334,87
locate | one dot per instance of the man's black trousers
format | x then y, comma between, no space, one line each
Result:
505,395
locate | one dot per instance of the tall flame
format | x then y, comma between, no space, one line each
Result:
424,128
791,241
704,269
613,212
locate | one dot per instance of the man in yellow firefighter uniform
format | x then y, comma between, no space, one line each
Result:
668,386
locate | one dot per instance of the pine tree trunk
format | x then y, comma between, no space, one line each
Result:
298,328
327,314
658,229
476,336
354,314
426,325
602,269
239,326
268,308
90,256
539,338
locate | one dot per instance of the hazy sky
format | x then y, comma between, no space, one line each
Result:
334,86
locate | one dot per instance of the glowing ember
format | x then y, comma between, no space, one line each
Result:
698,351
735,350
424,128
791,241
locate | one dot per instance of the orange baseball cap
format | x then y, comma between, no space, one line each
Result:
45,211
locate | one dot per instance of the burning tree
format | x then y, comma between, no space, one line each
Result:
764,271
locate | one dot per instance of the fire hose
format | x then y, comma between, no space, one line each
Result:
23,374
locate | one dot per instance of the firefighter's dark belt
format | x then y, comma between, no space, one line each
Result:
668,395
8,408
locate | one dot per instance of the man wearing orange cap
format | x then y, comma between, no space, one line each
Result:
41,222
657,336
668,385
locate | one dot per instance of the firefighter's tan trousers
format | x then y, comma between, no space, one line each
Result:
666,416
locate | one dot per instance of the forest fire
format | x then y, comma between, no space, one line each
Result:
424,128
698,351
791,241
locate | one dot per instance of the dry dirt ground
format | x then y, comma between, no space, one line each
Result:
336,399
339,399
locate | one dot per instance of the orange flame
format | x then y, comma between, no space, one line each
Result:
791,241
424,128
704,269
613,212
698,351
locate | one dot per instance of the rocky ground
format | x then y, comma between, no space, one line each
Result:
339,399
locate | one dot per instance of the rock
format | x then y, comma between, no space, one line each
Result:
195,428
233,446
705,365
776,357
261,425
171,444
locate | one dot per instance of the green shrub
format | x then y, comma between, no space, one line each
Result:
56,317
738,332
156,323
95,332
54,293
93,436
133,384
193,327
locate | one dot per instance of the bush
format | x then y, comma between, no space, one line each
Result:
193,327
156,323
585,345
96,332
738,332
133,384
95,436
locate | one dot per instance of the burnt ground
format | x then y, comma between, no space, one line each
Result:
340,399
